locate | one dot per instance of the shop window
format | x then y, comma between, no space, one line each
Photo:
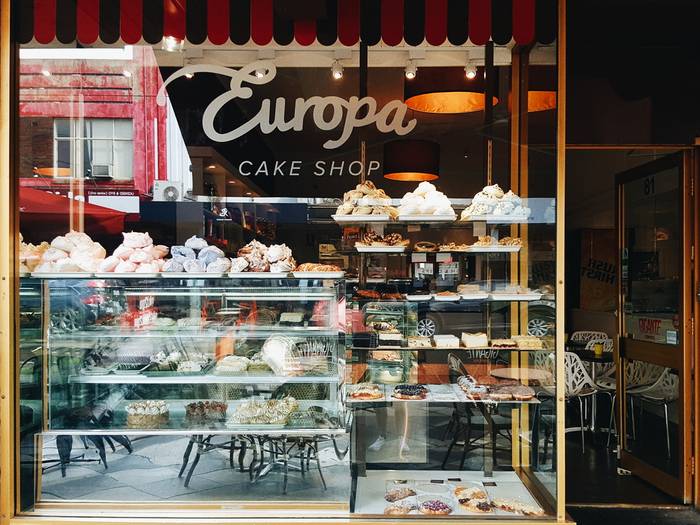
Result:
94,148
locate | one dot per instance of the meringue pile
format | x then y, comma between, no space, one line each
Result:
72,252
493,201
426,200
197,256
367,199
136,254
256,257
30,254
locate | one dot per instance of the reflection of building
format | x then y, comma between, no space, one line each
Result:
90,125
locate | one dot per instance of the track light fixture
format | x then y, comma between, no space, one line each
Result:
470,70
411,70
337,70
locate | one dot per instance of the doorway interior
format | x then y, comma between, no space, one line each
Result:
625,248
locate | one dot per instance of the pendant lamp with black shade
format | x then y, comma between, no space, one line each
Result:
446,90
411,160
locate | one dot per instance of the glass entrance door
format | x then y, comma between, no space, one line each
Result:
655,312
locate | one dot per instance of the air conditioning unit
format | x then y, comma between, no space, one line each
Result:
167,191
101,171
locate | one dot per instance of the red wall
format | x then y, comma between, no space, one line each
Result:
99,89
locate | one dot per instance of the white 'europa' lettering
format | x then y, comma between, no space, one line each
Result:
327,112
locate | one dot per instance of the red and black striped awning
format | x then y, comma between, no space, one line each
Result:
283,22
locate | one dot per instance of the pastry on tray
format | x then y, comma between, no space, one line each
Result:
417,341
453,247
399,494
471,492
436,507
372,238
399,509
317,267
367,199
147,414
518,507
410,392
492,200
510,241
477,340
482,506
504,343
426,200
367,391
425,246
269,412
201,411
528,342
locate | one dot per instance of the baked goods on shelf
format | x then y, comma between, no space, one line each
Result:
147,414
425,246
410,392
72,252
317,267
485,240
477,340
426,200
401,508
268,412
493,201
481,506
391,338
517,507
446,341
366,199
510,241
468,289
366,391
368,294
400,493
202,411
30,254
435,506
257,257
231,365
505,392
471,388
453,247
528,342
417,341
471,492
503,343
372,238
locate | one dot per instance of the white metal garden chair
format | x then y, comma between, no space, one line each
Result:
583,336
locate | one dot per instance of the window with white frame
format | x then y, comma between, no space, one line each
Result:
95,148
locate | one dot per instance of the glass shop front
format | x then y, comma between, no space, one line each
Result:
287,260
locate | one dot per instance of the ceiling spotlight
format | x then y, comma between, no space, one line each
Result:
46,72
170,43
248,193
211,166
189,75
126,73
411,70
470,70
337,70
259,73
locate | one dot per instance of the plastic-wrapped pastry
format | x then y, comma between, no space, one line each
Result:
194,266
173,265
220,265
239,264
256,263
108,264
125,267
196,243
253,247
503,208
78,238
140,256
45,267
209,254
137,240
159,251
182,252
93,250
278,252
54,254
493,191
146,268
283,266
63,244
66,265
86,263
123,252
276,352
